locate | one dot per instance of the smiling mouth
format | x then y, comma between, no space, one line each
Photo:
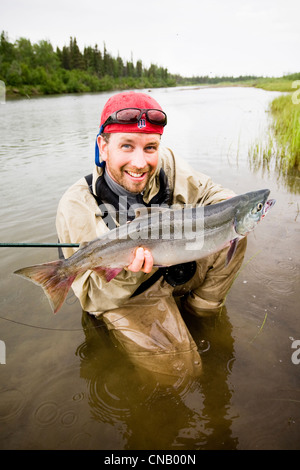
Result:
135,174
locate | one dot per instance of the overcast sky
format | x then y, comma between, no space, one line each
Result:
189,37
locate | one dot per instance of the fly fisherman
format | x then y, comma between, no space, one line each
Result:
140,305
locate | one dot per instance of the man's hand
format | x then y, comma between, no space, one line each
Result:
143,261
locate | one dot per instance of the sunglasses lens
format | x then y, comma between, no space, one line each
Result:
132,115
156,116
128,115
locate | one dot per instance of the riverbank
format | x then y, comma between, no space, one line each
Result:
284,141
281,84
279,152
37,69
81,82
282,147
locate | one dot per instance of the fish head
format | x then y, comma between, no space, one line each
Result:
253,208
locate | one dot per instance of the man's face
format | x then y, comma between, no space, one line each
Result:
131,158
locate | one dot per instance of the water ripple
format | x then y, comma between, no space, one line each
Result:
107,406
11,404
281,279
68,418
46,414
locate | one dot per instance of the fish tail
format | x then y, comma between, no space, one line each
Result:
54,281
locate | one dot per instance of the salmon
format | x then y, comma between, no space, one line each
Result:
172,235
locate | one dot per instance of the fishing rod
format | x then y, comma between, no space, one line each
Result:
39,245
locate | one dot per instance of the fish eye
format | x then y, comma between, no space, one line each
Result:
258,208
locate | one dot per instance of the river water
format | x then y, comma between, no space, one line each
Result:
64,385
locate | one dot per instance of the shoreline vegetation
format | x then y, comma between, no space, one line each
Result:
32,70
279,152
29,70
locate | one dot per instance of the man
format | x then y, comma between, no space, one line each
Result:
140,305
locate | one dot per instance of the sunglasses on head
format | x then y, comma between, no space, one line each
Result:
133,115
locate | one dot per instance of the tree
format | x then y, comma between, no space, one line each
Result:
98,62
37,68
65,58
45,55
108,68
76,58
139,69
7,51
25,52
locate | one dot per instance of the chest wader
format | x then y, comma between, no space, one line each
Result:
174,275
149,326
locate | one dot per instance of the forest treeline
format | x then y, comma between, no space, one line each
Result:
32,69
39,69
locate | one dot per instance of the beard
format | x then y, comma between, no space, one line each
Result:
132,179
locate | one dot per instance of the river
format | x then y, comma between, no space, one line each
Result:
63,383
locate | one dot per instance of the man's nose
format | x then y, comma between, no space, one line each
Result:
138,158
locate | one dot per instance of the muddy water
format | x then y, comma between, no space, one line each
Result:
64,384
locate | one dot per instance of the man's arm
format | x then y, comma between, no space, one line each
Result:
76,222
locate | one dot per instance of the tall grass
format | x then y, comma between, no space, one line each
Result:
275,84
286,126
279,152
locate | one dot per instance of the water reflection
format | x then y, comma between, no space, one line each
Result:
150,415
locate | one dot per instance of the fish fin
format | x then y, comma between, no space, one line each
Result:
231,251
107,273
54,281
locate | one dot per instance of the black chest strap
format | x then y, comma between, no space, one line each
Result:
104,196
105,214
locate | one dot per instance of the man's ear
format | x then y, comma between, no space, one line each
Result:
102,145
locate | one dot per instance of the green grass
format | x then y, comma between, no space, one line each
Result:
281,149
274,84
286,125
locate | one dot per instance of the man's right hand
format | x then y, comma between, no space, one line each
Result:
143,261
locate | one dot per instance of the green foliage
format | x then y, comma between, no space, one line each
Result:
286,126
281,150
29,69
276,84
206,80
283,84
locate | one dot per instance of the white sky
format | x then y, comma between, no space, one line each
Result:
189,37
